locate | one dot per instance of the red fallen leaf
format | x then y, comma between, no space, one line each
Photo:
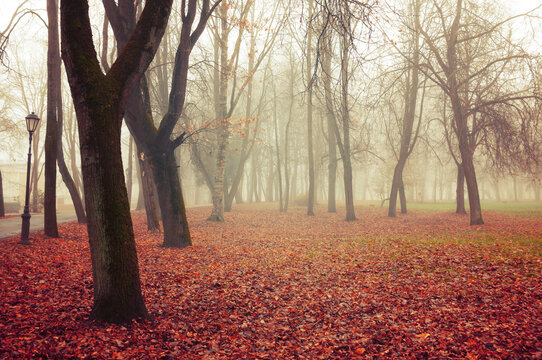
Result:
472,342
317,304
360,351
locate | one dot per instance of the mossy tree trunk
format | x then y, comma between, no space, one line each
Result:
99,103
53,82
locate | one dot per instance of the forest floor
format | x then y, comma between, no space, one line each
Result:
270,285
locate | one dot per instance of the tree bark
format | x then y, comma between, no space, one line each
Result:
51,147
170,197
223,131
129,170
100,101
460,191
147,189
310,205
345,153
331,119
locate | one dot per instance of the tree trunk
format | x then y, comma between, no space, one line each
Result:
35,176
277,148
129,170
310,206
345,154
100,101
460,191
53,78
217,213
402,197
153,223
395,186
332,142
170,196
141,197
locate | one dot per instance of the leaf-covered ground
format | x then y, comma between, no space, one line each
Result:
265,285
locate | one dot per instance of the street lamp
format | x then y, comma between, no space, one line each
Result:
32,121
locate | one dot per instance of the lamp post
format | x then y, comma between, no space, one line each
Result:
32,121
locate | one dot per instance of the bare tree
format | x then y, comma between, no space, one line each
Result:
100,101
156,143
465,75
408,135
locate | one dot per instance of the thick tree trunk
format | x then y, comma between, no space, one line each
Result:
117,292
99,103
170,196
53,82
460,191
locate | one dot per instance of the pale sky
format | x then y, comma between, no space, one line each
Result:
31,33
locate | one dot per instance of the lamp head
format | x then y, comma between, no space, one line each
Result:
32,121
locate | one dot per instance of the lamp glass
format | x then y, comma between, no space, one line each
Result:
32,121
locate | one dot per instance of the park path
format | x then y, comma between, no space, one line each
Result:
11,226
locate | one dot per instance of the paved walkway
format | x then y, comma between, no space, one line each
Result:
12,226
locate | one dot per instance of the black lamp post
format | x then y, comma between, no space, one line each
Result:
32,121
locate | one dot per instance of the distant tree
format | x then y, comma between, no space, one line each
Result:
100,102
309,71
470,56
408,132
340,19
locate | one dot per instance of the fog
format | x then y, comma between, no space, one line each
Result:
313,102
